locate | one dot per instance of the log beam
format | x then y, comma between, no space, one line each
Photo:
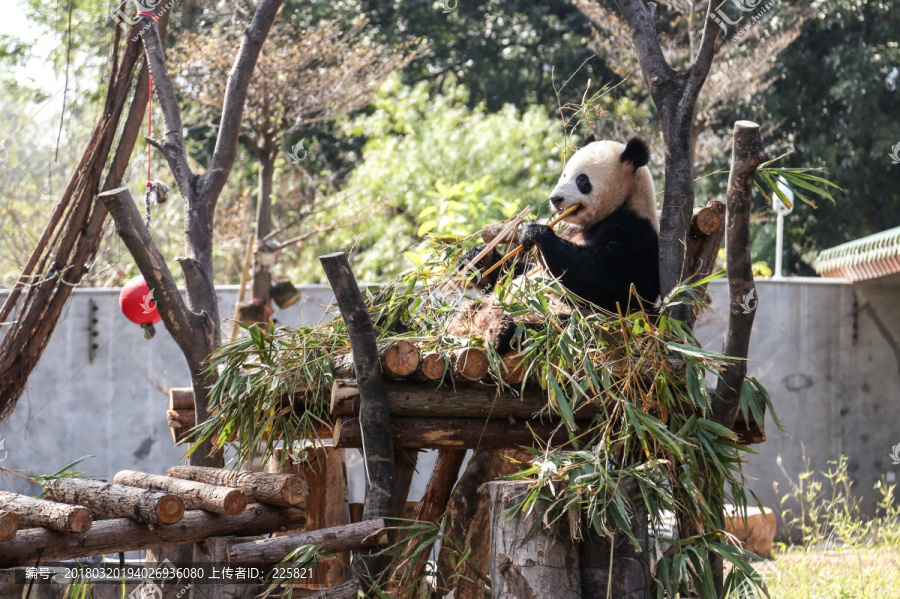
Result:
413,399
196,496
350,537
49,514
459,433
283,490
469,363
122,534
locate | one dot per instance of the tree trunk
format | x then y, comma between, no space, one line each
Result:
274,489
196,496
122,534
527,562
49,514
262,275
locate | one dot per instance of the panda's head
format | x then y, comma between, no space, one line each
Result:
602,177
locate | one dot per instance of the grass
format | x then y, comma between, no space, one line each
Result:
845,551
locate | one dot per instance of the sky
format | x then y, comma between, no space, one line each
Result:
39,71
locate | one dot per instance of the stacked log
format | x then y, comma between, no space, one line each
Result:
9,524
49,514
350,537
284,490
110,499
196,496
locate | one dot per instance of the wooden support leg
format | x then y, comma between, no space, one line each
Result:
431,509
327,504
176,555
468,524
405,461
213,554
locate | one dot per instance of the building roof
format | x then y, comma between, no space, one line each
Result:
867,258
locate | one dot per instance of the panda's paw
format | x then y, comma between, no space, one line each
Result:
532,233
467,261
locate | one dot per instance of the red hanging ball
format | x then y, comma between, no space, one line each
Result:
137,304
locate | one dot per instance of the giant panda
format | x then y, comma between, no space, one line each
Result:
609,243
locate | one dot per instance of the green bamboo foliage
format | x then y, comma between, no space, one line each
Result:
654,431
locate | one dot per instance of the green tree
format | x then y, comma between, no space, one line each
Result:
432,164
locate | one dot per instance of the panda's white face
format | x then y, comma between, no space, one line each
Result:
600,181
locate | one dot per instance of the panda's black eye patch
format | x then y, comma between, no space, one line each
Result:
583,183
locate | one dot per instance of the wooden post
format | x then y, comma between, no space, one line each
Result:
747,154
375,421
159,557
121,534
196,496
327,505
212,554
118,501
431,509
49,514
283,490
526,560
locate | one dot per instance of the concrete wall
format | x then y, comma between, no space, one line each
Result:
114,406
836,395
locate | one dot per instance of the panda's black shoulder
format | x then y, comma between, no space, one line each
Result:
625,225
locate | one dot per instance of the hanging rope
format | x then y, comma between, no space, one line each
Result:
157,191
148,189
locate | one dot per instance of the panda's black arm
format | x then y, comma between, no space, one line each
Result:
579,268
575,265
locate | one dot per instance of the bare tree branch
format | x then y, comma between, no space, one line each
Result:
639,17
747,155
172,145
699,70
235,94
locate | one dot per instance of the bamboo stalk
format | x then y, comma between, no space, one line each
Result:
518,249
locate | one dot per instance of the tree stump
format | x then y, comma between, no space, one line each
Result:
527,562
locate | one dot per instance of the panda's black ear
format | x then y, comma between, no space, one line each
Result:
590,139
636,153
